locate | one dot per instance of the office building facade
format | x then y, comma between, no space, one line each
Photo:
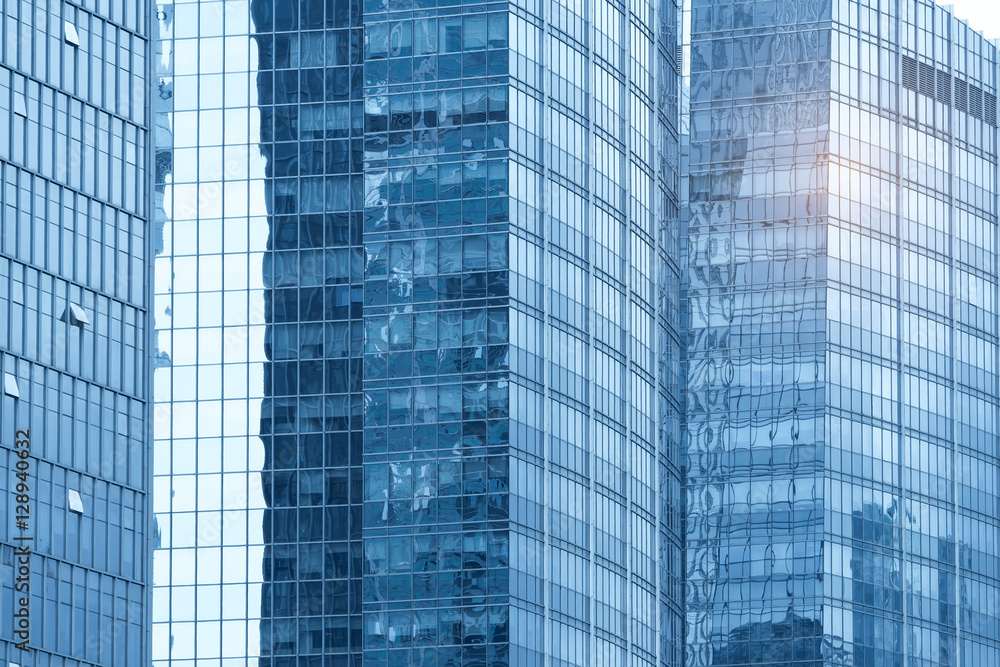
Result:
841,358
74,237
209,358
417,303
450,354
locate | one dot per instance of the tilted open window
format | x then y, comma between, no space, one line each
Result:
75,315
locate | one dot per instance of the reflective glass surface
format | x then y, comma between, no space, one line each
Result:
73,331
461,353
840,285
436,334
312,122
594,482
210,340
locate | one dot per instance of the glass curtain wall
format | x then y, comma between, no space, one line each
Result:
436,400
842,377
754,353
456,249
73,332
212,234
310,97
594,427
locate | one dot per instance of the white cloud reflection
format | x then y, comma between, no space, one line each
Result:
209,312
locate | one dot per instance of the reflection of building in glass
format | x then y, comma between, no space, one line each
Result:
74,251
310,98
876,585
470,415
841,347
793,640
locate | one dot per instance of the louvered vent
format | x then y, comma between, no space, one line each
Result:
909,73
944,87
961,95
976,101
680,59
926,80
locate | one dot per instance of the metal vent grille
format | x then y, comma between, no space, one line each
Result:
909,73
961,95
976,101
944,87
926,80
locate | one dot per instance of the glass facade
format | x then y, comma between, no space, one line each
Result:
73,331
209,308
841,284
594,418
416,312
312,109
